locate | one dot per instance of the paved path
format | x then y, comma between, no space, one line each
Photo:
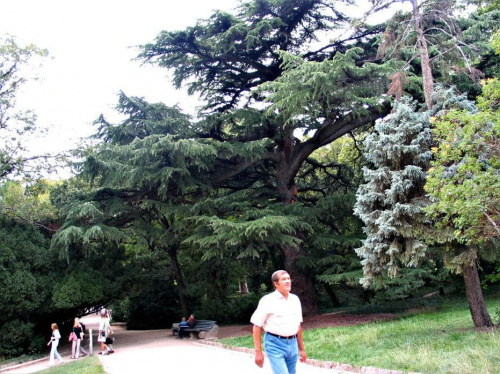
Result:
156,351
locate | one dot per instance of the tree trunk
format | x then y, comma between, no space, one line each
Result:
180,281
367,295
428,81
243,286
477,305
302,285
331,293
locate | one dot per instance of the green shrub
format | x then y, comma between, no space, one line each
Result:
16,336
237,309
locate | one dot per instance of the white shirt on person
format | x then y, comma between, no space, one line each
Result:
104,326
278,315
56,335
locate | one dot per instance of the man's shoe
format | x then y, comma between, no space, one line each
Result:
111,351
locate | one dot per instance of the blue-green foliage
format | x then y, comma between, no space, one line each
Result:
390,202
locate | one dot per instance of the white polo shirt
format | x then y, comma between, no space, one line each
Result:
278,315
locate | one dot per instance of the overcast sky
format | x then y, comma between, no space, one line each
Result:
91,45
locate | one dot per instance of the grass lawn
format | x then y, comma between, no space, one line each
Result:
87,365
442,341
5,362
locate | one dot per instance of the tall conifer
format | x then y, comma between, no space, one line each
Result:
390,202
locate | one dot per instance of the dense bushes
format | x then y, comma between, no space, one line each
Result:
152,302
28,271
38,288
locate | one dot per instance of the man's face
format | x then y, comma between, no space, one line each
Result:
284,284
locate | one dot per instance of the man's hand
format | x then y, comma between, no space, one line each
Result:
259,358
303,356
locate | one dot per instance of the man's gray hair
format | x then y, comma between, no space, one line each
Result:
277,275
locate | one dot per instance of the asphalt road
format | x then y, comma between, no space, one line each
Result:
157,351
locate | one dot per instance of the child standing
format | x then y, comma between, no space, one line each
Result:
54,339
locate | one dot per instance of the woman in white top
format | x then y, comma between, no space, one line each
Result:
104,331
54,339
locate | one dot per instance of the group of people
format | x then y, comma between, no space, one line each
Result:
278,316
185,324
76,337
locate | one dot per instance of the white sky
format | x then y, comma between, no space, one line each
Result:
90,44
91,47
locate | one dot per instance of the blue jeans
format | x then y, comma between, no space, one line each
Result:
282,354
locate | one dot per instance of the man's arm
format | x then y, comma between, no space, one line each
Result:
300,342
257,342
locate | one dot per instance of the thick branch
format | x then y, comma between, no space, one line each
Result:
237,169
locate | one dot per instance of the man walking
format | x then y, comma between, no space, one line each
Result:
279,315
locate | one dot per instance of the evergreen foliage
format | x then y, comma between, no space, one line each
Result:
225,56
166,183
379,205
239,189
267,56
151,303
390,203
336,233
313,94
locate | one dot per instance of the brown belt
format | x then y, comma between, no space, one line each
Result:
282,337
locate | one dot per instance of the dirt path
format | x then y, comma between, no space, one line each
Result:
157,351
